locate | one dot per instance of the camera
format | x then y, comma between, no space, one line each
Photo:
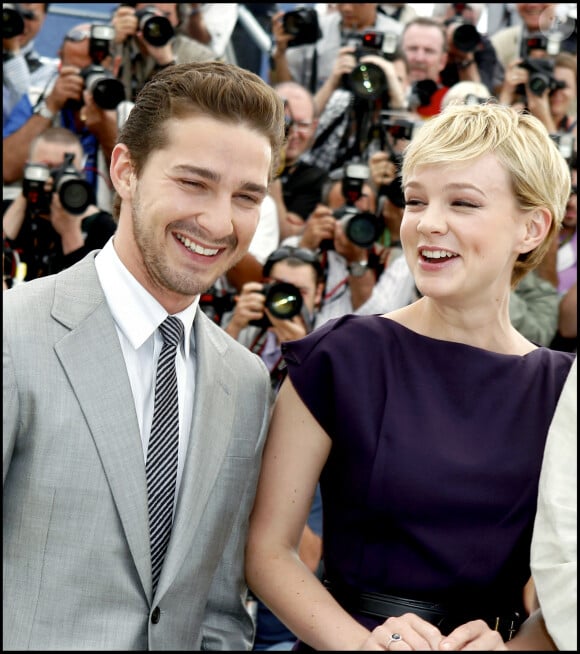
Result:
283,300
302,24
539,41
100,42
367,80
13,16
106,89
217,302
421,93
399,128
362,228
75,193
541,77
465,37
156,29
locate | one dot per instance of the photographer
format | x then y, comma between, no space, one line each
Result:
24,69
546,86
148,41
298,188
252,321
71,102
470,54
312,62
49,229
534,18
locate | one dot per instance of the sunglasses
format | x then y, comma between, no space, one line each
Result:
290,252
76,35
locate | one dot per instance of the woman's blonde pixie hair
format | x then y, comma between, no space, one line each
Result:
540,175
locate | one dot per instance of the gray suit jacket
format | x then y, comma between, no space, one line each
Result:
77,569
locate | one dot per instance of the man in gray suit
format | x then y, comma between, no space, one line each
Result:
190,170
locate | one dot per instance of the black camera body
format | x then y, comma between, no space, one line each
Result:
399,128
421,93
362,228
13,16
75,193
283,300
541,75
156,29
215,303
302,24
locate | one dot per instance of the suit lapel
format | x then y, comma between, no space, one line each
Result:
92,357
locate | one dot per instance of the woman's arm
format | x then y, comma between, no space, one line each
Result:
295,452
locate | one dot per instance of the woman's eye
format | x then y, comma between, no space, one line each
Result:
465,203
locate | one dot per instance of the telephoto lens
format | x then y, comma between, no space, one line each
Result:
368,81
13,16
283,300
156,29
75,193
360,227
107,91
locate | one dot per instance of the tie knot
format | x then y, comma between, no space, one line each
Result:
172,330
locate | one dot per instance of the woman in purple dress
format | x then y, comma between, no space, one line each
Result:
426,426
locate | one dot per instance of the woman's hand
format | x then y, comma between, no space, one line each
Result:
405,633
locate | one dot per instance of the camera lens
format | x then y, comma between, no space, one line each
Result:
362,228
293,22
157,30
12,22
538,83
302,24
283,300
107,90
75,194
367,81
466,38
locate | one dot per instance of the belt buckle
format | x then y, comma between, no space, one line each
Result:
512,629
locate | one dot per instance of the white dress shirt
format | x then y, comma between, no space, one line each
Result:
137,317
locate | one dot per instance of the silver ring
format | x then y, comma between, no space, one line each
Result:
395,638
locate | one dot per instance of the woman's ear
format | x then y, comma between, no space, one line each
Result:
537,227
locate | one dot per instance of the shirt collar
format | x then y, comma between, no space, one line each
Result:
135,311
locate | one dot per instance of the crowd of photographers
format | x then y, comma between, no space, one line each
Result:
358,80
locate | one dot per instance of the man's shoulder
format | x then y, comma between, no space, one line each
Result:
187,49
388,24
506,35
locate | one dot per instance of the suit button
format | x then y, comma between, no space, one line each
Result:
155,615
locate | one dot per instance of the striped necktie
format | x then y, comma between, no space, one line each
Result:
161,467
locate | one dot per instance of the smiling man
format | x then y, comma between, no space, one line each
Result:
94,558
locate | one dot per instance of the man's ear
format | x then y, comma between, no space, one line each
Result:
121,170
537,227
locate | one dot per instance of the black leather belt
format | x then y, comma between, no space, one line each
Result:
383,606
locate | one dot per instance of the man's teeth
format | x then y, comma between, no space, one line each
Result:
208,252
437,254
